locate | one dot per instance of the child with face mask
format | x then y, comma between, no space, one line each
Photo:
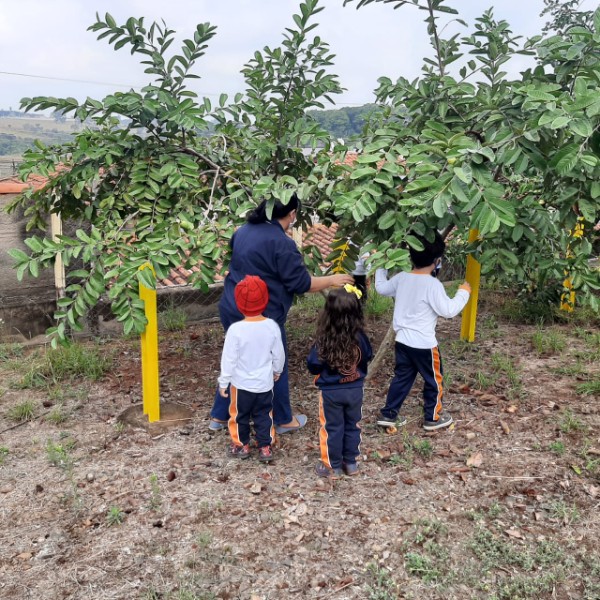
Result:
419,299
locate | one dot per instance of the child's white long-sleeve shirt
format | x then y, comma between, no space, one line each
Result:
252,353
418,301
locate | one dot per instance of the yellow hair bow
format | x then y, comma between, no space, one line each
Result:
352,289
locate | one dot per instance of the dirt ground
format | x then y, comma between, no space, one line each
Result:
502,506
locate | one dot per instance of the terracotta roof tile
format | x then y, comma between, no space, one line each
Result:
13,185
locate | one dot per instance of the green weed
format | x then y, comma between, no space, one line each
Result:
548,342
155,494
428,529
10,351
23,411
172,319
495,552
562,511
485,381
570,423
589,388
4,451
422,566
557,447
77,360
65,364
115,516
59,455
574,370
57,415
423,447
378,305
381,585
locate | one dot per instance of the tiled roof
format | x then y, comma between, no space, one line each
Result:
13,185
321,236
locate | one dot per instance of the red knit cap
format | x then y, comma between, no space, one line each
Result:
251,296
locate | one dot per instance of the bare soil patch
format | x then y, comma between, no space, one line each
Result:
503,506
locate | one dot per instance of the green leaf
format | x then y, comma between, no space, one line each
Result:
18,255
387,220
439,206
560,122
517,233
146,278
363,172
582,127
565,159
464,174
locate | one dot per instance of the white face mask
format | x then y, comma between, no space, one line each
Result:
293,222
437,268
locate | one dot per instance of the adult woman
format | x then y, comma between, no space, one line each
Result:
261,247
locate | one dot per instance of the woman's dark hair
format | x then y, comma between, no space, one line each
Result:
430,253
259,214
337,331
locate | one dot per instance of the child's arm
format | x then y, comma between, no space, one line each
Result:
314,364
384,286
449,307
278,354
228,362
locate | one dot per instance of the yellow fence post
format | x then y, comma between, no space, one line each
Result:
149,343
567,298
473,275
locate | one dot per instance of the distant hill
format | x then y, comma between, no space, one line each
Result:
18,131
345,123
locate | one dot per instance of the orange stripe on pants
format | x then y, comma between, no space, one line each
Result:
437,373
323,435
233,413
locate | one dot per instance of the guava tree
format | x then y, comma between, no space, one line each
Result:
467,147
162,177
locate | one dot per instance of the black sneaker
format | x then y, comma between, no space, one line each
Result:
240,451
399,421
265,454
322,470
444,420
350,469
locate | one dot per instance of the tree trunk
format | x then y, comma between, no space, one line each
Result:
383,348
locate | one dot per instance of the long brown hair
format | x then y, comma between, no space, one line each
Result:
340,322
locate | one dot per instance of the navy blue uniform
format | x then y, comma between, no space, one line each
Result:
265,250
340,404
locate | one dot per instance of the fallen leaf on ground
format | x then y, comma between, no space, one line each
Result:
256,488
514,533
505,427
475,460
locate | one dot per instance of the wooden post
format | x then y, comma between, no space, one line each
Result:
59,267
473,275
149,343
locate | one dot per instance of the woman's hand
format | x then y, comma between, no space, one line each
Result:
341,279
318,284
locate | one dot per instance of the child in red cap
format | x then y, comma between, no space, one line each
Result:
252,360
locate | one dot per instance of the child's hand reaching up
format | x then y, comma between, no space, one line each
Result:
465,286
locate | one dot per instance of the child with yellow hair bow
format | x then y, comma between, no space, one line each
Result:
339,359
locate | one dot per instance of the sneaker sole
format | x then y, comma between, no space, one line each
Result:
437,426
383,423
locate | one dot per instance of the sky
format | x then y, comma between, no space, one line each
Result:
44,43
